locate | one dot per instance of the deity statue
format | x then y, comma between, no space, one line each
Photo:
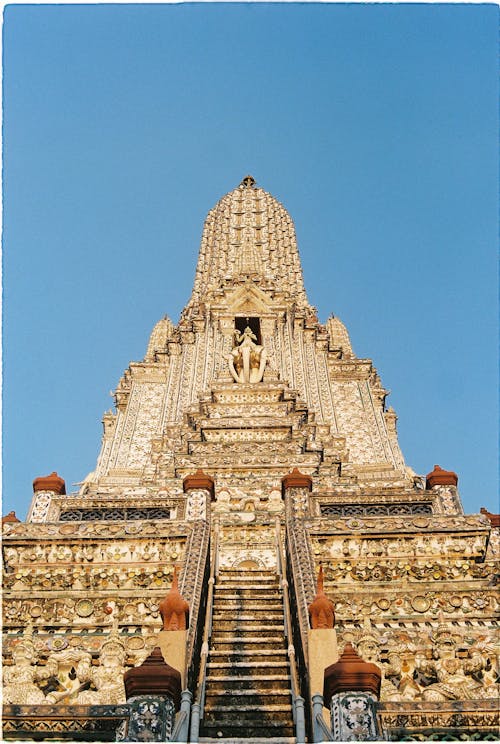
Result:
454,674
247,359
107,678
19,686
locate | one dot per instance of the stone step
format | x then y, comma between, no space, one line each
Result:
247,580
261,591
237,601
248,658
239,699
249,638
238,627
247,732
229,605
237,645
247,740
254,576
248,720
249,667
257,684
245,616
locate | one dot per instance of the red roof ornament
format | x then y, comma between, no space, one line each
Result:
351,674
10,517
296,479
321,611
154,677
50,482
440,477
493,518
199,480
174,609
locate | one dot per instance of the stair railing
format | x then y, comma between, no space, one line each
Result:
199,704
297,700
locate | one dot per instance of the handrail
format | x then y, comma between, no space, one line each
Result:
321,732
297,700
199,704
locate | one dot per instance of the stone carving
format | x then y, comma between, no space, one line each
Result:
454,675
107,678
19,679
196,507
151,718
247,359
70,667
40,506
353,717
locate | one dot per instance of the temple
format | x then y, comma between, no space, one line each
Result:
251,558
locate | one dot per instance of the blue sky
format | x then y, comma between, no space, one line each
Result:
375,125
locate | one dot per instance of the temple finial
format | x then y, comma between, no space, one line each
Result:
248,182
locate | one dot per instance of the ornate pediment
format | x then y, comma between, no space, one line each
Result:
249,300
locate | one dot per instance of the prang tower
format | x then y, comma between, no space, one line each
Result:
249,450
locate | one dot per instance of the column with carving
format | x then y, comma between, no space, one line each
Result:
443,483
153,695
199,488
351,691
44,489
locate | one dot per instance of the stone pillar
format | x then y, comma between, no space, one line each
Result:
322,640
44,488
296,487
444,484
351,690
200,490
172,639
153,693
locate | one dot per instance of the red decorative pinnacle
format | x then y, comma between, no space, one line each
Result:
321,613
50,482
154,677
199,480
10,517
351,674
174,609
296,479
440,477
494,518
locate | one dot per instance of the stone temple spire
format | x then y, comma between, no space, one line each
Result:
248,236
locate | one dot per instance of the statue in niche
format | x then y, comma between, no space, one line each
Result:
247,359
19,686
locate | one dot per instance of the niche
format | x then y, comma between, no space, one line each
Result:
241,323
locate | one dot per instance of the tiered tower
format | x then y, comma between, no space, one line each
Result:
251,445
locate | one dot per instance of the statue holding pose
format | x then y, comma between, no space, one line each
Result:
454,674
247,359
19,686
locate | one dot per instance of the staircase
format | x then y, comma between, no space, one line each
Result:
248,677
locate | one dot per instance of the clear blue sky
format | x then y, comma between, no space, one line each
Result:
375,125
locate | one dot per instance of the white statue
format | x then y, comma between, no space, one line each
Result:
19,686
454,674
107,678
247,359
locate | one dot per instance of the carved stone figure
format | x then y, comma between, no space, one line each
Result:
107,678
454,675
247,359
19,679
